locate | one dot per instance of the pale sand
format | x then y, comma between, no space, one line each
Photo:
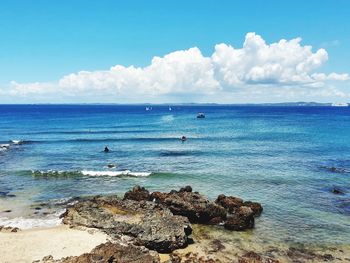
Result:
34,244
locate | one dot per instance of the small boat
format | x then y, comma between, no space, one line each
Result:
200,115
148,108
169,108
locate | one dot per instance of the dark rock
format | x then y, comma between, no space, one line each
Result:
232,203
216,221
334,169
147,223
337,191
111,252
138,193
197,208
216,245
9,229
110,165
7,211
186,189
242,219
256,207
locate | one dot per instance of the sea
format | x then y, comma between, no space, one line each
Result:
294,160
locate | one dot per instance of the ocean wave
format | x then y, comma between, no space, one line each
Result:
82,132
28,223
116,173
53,173
103,140
178,153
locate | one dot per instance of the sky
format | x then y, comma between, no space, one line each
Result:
108,51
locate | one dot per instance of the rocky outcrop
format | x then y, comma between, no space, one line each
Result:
147,224
110,252
242,219
138,193
160,221
232,204
233,212
196,207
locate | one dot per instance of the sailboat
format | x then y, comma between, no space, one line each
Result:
169,108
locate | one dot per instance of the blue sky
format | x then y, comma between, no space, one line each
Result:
43,41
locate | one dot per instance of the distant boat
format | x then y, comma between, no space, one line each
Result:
170,108
200,115
340,104
148,108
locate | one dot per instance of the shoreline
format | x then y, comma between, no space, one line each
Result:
39,244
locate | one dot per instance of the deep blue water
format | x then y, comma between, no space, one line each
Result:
278,156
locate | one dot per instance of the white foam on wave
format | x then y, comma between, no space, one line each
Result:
116,173
17,141
28,223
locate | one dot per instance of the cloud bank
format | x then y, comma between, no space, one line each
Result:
257,69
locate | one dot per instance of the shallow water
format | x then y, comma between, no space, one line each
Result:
279,156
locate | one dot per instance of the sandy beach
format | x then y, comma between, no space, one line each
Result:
34,244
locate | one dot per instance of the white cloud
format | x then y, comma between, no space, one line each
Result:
282,67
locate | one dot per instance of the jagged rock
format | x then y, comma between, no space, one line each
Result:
255,206
186,189
138,193
232,203
149,224
196,207
242,219
111,252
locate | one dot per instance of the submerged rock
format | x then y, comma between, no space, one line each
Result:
305,254
337,191
148,224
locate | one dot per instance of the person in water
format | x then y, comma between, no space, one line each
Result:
106,150
183,138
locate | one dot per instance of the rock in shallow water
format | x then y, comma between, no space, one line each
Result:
232,204
242,219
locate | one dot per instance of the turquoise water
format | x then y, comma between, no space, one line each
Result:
279,156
